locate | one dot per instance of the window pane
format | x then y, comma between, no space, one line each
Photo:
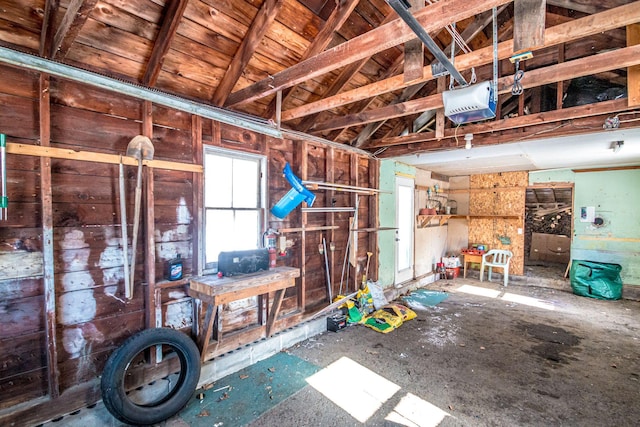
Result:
218,233
217,180
228,232
245,183
247,229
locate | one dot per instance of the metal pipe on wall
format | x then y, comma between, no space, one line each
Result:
36,63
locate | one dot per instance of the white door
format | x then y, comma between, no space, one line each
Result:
404,233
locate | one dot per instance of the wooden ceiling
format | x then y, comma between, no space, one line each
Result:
350,71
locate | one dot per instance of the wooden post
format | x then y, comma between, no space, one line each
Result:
47,240
153,307
633,73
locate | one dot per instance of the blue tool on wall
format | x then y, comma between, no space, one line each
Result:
294,197
4,200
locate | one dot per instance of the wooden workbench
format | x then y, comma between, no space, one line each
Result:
214,292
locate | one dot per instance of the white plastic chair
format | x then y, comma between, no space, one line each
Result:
496,258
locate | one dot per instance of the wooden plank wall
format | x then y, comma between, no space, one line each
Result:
499,197
92,316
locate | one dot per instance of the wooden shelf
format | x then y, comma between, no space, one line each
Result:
424,221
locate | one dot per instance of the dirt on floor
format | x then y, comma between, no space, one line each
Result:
485,356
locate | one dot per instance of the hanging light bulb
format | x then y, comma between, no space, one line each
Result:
468,137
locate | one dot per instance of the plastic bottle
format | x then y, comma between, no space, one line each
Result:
175,268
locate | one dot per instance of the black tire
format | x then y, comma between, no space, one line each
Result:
122,404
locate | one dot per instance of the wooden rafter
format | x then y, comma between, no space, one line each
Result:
408,93
167,32
563,33
346,75
565,71
550,124
431,17
335,21
77,14
48,29
259,26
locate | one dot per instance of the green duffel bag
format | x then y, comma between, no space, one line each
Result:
596,279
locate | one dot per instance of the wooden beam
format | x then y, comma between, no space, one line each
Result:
48,29
428,141
170,23
590,9
89,156
431,17
529,24
53,371
320,42
198,196
633,72
414,51
346,75
408,93
259,26
563,33
77,13
565,71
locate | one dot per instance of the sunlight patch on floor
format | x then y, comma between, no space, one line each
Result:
412,411
506,296
354,388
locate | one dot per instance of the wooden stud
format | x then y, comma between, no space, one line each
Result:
330,218
152,301
440,119
47,240
560,84
633,72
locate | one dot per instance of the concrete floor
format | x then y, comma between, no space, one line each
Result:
486,356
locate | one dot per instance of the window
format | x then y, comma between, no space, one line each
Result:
233,202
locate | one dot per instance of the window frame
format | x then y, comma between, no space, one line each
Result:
261,161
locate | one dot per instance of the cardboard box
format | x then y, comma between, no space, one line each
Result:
550,247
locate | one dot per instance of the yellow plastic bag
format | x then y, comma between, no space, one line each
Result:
383,320
403,311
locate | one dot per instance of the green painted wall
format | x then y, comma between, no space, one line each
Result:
616,198
387,207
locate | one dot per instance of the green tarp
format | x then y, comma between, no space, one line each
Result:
596,279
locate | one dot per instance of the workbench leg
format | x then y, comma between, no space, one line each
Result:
275,309
205,332
464,275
